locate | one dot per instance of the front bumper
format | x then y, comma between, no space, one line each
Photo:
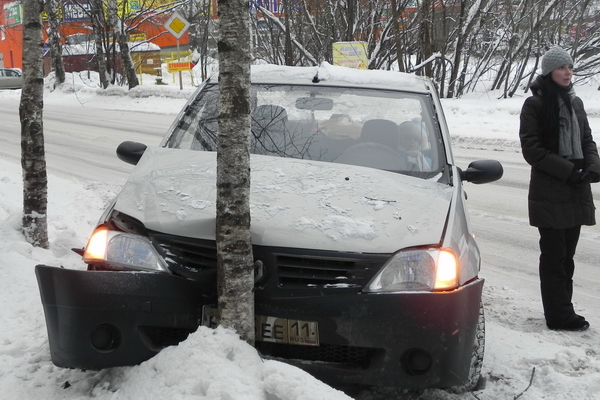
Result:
99,319
408,340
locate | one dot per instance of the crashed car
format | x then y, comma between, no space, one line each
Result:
369,273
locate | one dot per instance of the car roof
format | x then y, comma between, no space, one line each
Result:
331,75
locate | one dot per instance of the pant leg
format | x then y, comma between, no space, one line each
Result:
572,238
556,270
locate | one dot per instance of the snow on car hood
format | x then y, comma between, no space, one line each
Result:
294,203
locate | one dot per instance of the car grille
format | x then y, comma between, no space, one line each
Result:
290,267
189,253
345,356
320,271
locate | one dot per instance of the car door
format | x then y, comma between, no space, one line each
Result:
10,79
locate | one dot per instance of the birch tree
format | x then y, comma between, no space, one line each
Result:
53,9
117,12
33,159
235,276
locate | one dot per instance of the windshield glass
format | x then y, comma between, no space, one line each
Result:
382,129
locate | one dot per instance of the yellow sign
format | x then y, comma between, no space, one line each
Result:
137,37
179,66
350,54
177,25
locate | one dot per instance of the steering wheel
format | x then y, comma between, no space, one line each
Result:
373,155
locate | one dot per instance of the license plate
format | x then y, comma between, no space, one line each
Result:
272,329
284,330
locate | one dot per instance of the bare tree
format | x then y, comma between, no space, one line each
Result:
118,11
33,159
112,21
53,9
234,247
469,15
277,44
201,32
457,43
97,16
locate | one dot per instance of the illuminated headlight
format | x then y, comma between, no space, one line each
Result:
417,270
123,250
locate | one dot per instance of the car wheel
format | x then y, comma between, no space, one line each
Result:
476,357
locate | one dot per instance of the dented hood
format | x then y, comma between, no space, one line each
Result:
294,203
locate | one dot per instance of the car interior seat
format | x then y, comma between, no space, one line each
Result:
376,147
382,131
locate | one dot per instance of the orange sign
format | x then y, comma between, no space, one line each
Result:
179,66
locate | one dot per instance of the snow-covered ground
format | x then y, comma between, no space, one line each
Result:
523,359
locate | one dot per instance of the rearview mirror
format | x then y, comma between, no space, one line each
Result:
314,103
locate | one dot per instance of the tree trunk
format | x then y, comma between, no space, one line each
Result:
234,247
33,159
52,9
426,36
128,67
97,17
399,53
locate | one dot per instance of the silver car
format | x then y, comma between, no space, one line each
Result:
11,78
368,272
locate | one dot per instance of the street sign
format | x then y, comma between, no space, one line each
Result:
179,66
177,25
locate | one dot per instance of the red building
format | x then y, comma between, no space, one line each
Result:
75,21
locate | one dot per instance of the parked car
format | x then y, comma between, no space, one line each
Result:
369,273
11,78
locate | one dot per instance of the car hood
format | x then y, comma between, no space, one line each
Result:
294,203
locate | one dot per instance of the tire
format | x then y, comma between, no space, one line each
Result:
476,357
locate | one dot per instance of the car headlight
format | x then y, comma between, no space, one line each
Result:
123,250
417,270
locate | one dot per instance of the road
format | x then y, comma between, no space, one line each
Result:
77,138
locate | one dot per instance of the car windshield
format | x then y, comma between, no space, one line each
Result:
383,129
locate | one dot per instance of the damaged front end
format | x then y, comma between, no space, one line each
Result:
102,319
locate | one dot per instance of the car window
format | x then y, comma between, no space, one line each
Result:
382,129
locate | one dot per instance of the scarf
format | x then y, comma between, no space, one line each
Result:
569,144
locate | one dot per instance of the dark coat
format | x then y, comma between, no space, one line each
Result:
553,201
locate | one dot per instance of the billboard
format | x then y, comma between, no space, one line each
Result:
350,54
13,14
71,11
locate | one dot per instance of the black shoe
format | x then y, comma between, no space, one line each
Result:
578,324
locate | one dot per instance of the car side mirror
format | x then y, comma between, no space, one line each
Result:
131,152
482,171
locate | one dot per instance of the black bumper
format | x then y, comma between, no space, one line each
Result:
408,340
414,340
98,319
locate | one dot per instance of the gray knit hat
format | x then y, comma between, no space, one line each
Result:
554,58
